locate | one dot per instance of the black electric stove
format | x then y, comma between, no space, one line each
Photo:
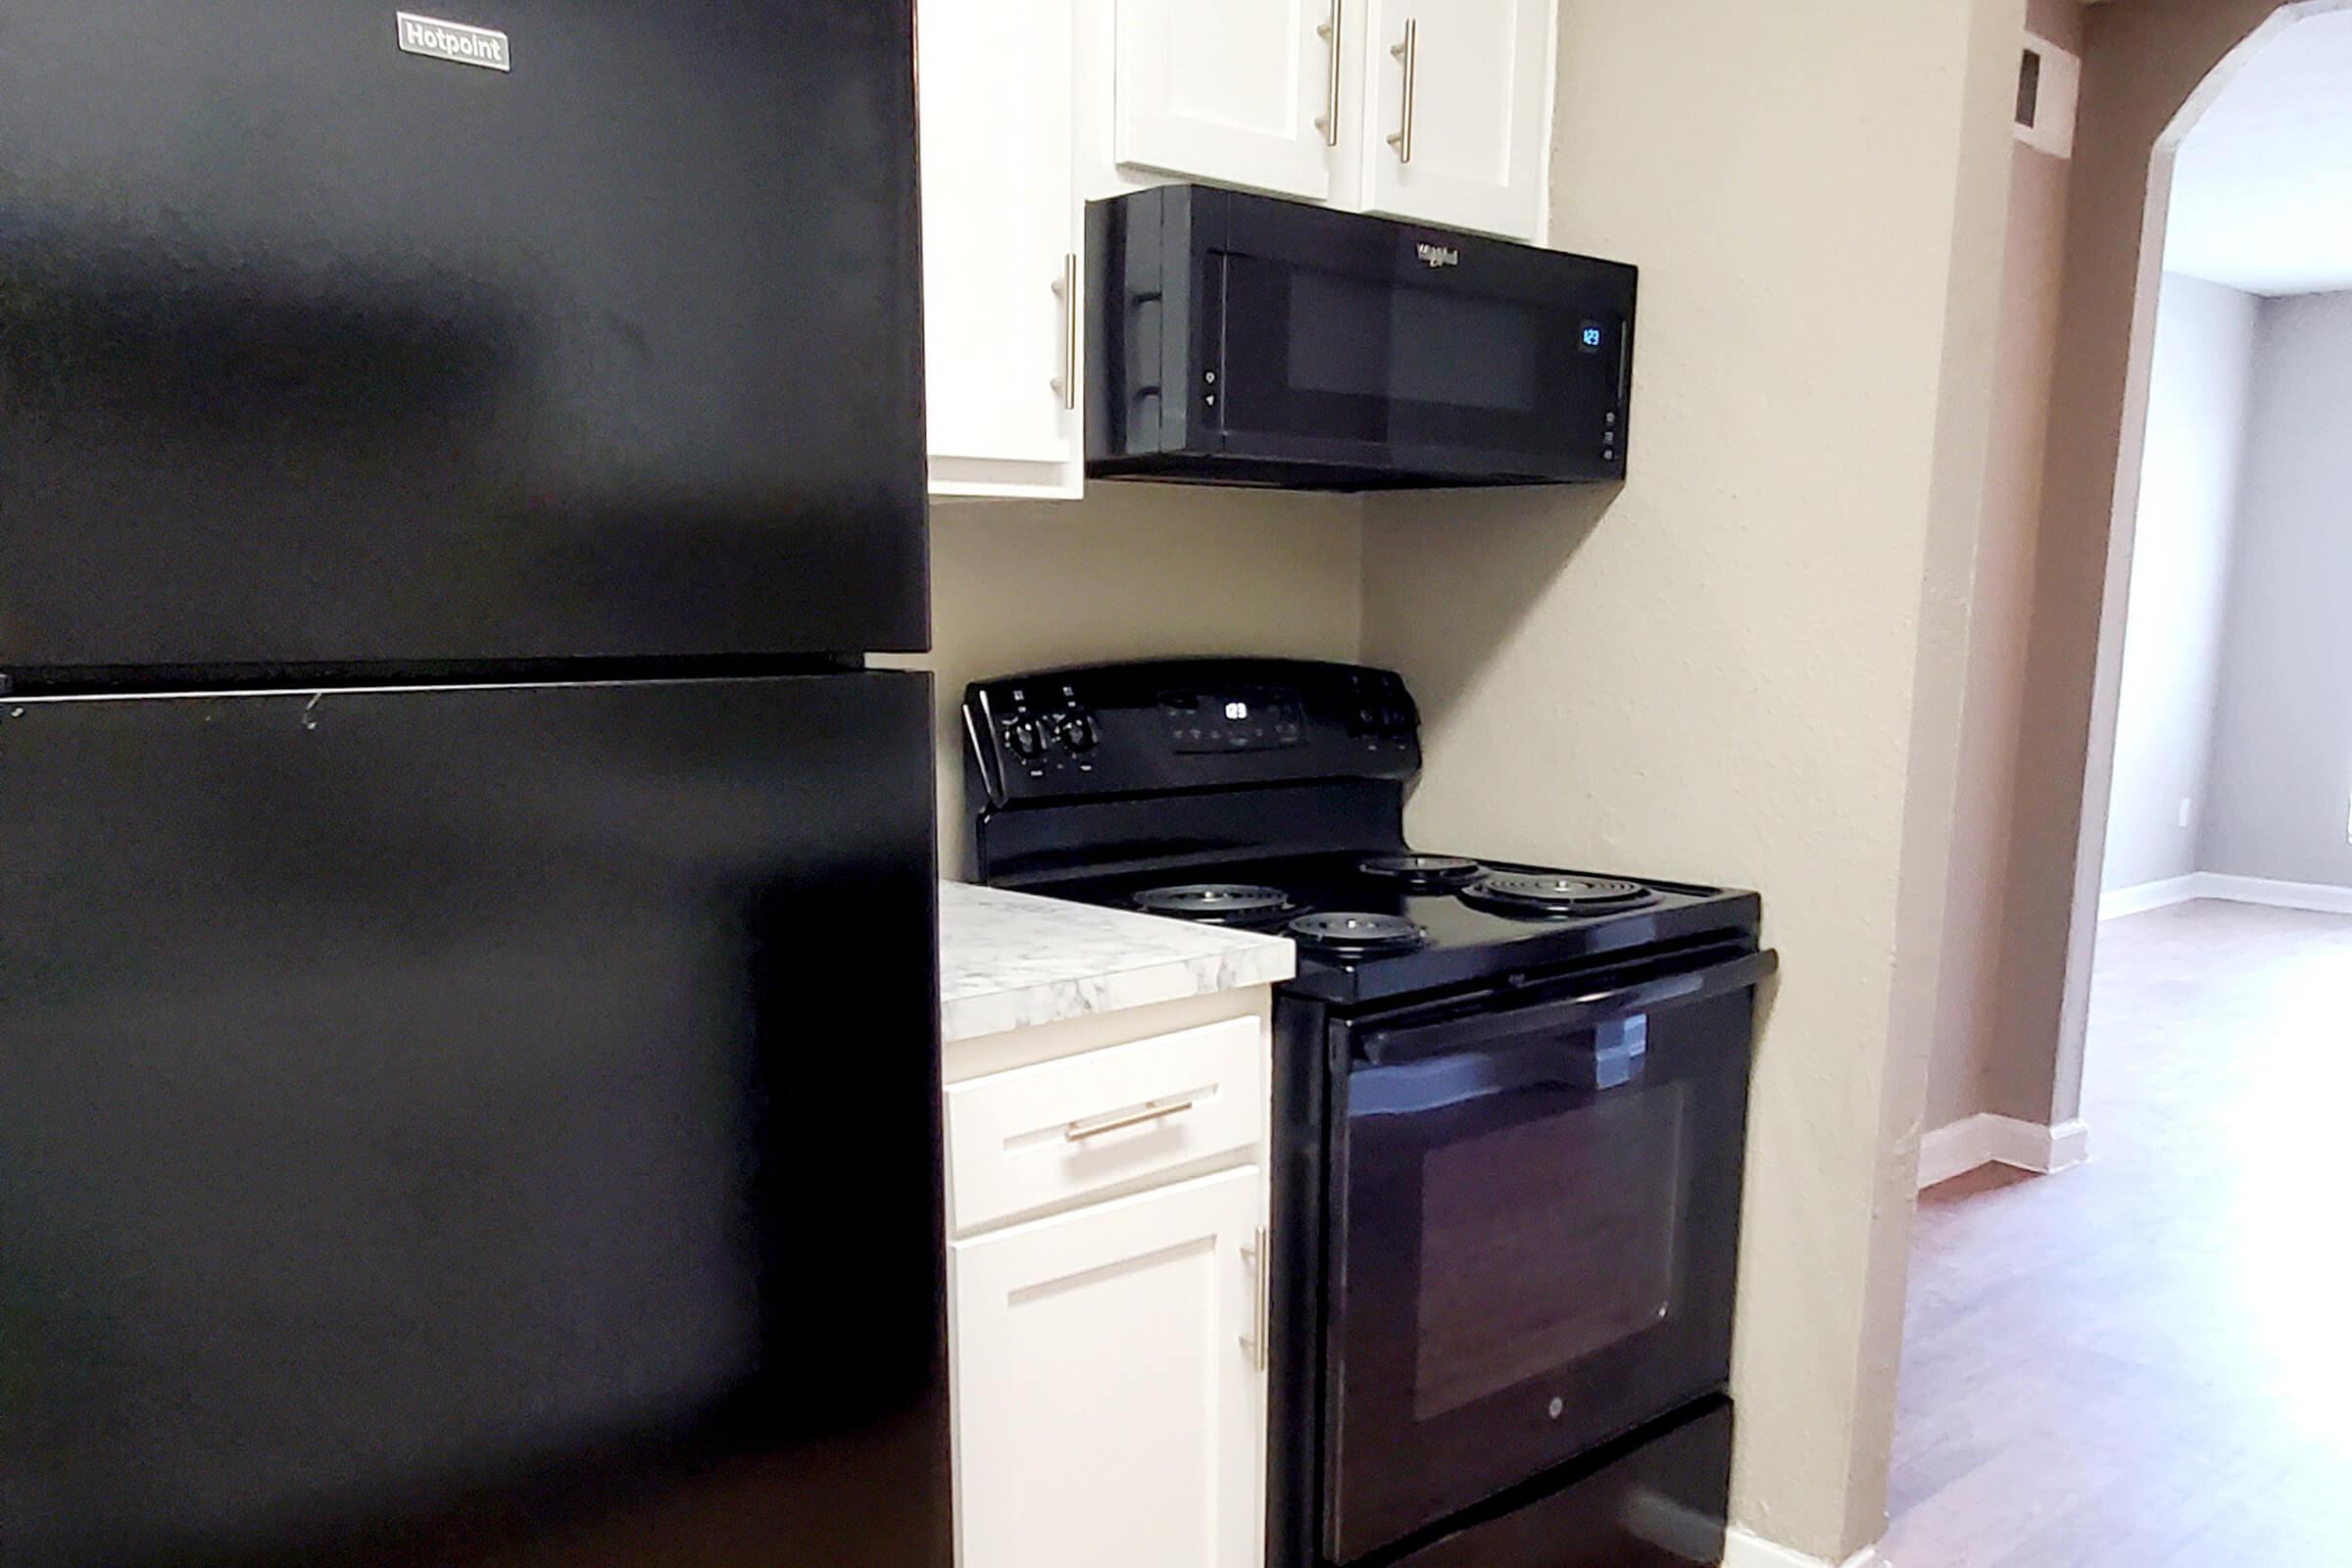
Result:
1510,1103
1373,925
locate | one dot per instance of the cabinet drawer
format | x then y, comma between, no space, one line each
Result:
1026,1139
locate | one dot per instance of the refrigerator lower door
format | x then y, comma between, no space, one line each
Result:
448,1125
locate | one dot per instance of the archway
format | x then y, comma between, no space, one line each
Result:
2023,1276
2098,772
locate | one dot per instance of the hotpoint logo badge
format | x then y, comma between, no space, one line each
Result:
1436,256
453,41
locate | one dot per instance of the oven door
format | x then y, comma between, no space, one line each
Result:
1533,1233
1342,344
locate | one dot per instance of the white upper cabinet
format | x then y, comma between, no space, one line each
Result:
1457,111
1002,232
1430,110
1239,92
1437,110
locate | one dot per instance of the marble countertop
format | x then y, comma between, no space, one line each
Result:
1009,960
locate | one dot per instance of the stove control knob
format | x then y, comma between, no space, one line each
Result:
1079,733
1027,739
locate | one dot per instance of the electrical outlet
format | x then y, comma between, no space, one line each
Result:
2188,808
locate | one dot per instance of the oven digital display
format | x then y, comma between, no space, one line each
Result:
1200,722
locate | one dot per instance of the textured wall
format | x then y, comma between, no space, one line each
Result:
1132,572
2283,746
1746,664
2189,511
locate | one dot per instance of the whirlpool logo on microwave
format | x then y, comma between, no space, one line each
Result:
1436,256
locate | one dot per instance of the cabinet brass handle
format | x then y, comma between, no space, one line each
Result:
1330,32
1078,1132
1408,54
1068,288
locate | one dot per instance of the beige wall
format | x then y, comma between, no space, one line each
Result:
2142,60
1730,668
1966,1076
2059,21
1132,572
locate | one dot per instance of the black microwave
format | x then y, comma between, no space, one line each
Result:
1241,339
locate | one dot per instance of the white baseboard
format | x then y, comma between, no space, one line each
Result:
1744,1550
2321,897
2149,896
1990,1140
2326,898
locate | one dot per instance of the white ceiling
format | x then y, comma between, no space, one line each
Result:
2263,197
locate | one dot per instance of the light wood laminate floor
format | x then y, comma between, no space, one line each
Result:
2146,1363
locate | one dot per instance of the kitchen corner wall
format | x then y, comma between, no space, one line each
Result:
1132,572
1746,664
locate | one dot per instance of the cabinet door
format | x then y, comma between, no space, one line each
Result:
1459,112
1001,244
1110,1387
1240,92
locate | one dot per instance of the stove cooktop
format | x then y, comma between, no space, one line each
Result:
1380,925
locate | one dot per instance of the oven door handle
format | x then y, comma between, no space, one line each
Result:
1478,1031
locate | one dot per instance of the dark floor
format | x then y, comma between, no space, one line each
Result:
2146,1363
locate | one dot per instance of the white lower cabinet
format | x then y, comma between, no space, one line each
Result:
1107,1302
1111,1384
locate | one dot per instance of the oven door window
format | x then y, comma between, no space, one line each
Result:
1516,1284
1533,1250
1385,364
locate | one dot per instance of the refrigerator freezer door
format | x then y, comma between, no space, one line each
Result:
319,351
503,1120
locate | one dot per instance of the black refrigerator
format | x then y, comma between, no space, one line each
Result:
468,980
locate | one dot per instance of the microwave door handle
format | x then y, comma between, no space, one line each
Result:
1417,1041
1625,379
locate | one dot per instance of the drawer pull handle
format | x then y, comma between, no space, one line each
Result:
1078,1132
